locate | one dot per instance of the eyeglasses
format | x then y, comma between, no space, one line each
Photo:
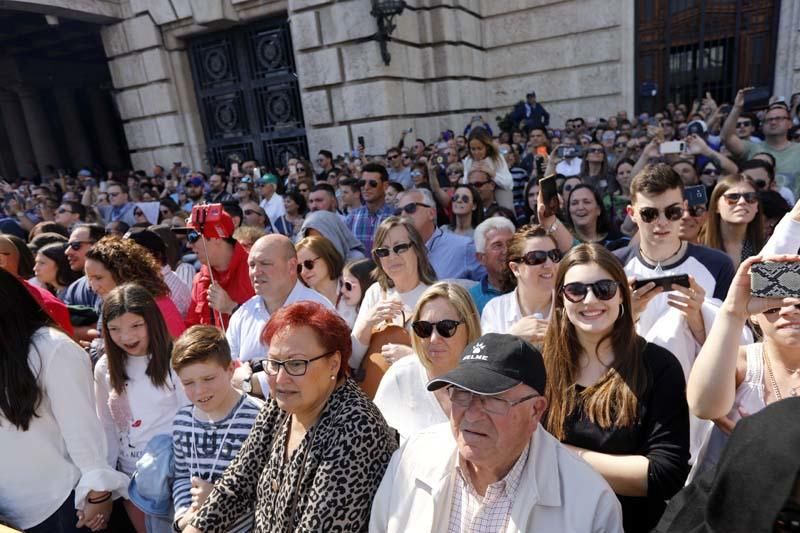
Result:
604,289
371,183
308,264
409,209
539,257
462,198
733,197
489,404
76,245
193,237
479,184
650,214
711,171
397,249
696,210
293,367
445,328
743,124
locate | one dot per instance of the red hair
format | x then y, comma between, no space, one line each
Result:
331,330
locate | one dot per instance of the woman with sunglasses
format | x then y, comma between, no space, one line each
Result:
444,322
466,210
318,449
735,224
709,175
356,279
403,273
320,267
614,399
533,256
729,380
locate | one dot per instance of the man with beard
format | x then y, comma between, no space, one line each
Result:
217,193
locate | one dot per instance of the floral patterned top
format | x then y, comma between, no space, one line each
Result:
326,484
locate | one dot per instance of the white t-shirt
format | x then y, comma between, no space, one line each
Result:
404,401
152,408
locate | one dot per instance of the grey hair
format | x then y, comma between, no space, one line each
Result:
490,224
427,196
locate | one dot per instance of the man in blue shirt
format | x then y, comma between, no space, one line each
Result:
491,246
450,254
120,208
364,221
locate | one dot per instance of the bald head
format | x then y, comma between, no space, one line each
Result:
273,269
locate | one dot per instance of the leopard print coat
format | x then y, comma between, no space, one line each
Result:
329,480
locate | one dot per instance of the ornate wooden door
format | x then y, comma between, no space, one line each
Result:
248,95
685,48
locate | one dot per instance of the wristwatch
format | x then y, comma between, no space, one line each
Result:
247,386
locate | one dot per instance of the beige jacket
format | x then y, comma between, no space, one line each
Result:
558,491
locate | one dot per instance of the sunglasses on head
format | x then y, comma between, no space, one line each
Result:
696,210
604,289
409,209
733,197
539,257
371,183
398,249
445,328
650,214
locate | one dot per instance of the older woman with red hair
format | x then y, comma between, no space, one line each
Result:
318,449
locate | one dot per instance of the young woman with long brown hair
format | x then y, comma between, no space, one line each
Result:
616,400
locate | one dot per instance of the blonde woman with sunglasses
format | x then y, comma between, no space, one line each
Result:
444,322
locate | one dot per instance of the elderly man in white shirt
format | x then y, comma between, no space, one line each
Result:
493,468
273,272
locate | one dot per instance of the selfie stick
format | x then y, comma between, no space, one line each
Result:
202,224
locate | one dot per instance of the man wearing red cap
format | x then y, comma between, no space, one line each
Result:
223,282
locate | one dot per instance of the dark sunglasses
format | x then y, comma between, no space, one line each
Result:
711,171
620,145
479,184
409,209
594,150
575,292
696,210
743,124
539,257
300,169
454,171
76,245
308,264
650,214
192,237
462,198
346,285
733,197
398,249
445,328
371,183
392,157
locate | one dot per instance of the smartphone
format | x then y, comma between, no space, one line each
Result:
696,195
775,280
549,194
361,141
234,168
256,173
565,152
672,147
665,282
757,98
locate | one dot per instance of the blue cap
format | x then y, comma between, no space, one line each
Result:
84,173
150,488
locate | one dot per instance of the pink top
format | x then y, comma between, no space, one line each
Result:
171,316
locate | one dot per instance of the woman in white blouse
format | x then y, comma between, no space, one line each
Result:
53,458
533,257
444,322
403,273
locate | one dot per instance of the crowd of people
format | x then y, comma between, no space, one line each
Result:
540,330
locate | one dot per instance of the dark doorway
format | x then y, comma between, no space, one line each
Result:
248,95
685,48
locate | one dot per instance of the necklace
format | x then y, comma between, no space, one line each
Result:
658,268
195,459
774,383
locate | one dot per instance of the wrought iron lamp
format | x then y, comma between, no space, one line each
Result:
385,11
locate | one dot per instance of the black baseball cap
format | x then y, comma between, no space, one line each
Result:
496,363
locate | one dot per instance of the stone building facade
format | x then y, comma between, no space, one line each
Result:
450,60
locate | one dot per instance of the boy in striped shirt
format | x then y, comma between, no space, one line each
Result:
207,435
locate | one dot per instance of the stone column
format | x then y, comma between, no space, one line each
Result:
104,128
41,135
17,131
80,152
